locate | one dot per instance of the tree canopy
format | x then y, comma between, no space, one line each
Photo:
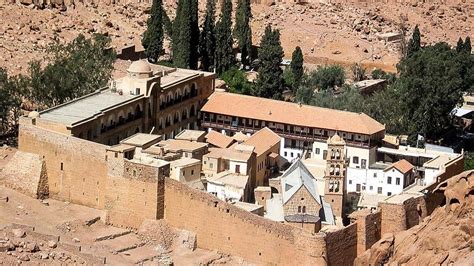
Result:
73,70
182,31
270,75
224,56
242,30
153,37
208,37
296,66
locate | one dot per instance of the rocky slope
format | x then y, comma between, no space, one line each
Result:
443,238
328,33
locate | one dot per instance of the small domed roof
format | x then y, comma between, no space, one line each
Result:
336,139
34,114
140,66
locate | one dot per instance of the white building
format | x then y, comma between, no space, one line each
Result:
229,186
380,178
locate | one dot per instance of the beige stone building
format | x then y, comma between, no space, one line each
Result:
152,99
267,148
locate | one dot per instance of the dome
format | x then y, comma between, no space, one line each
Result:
140,66
336,139
33,114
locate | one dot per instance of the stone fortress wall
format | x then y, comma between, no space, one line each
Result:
83,172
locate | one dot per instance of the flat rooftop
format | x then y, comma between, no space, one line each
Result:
176,145
368,82
370,200
180,75
250,207
141,139
227,178
440,160
184,162
189,134
87,107
229,154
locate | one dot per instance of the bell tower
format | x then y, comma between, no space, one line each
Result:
335,174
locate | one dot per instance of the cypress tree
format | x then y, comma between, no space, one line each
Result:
153,37
296,66
467,48
194,40
208,37
243,31
224,56
414,45
460,45
181,41
270,75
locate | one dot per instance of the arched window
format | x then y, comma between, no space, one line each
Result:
138,111
193,90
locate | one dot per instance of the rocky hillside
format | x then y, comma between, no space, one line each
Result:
328,33
443,238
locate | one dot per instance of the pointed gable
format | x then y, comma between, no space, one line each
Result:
295,177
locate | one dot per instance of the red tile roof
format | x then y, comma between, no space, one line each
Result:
290,113
403,166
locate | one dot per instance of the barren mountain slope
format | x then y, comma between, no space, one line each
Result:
336,33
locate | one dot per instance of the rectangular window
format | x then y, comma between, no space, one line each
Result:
211,165
363,163
299,209
363,188
375,174
350,182
237,169
291,155
192,172
358,187
62,166
379,190
317,151
184,172
304,209
389,193
397,181
389,180
355,159
325,154
286,153
371,188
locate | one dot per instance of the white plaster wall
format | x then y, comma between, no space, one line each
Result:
224,193
322,146
362,153
393,188
243,167
430,175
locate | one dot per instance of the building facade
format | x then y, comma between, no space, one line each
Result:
154,100
299,126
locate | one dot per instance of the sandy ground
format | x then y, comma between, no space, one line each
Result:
67,221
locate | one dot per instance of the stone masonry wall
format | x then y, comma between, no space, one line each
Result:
368,228
302,198
76,168
341,246
26,172
222,226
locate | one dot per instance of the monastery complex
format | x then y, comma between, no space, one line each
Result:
272,182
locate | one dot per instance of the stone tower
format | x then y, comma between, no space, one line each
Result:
335,174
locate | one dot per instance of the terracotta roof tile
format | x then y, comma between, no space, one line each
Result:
263,140
290,113
403,166
219,140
